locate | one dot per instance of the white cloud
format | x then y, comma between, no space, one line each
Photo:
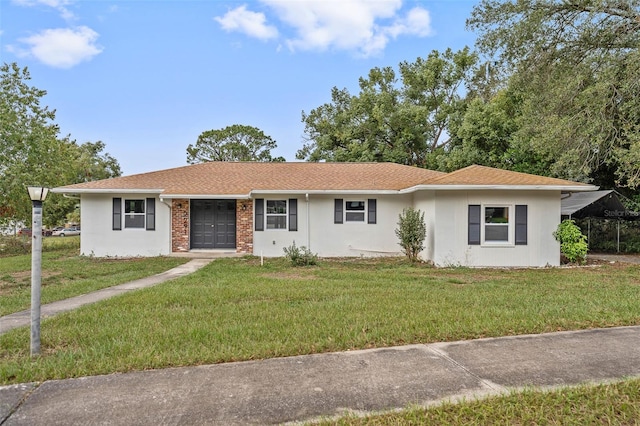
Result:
61,47
362,26
417,22
59,5
252,24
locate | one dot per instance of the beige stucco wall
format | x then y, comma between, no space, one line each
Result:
98,238
450,216
445,216
336,240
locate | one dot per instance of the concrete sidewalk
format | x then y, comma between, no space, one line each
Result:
301,388
23,318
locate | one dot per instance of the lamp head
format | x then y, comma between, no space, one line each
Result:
37,193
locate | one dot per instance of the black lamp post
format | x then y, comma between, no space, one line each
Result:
37,195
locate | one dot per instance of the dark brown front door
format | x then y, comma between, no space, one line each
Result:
213,224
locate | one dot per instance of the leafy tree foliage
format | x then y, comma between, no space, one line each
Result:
233,143
534,33
31,153
577,64
397,120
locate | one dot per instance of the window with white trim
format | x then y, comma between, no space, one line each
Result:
276,214
134,213
495,224
497,227
354,211
140,214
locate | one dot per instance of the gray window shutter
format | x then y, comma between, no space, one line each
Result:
259,216
521,225
117,214
474,224
293,214
371,206
337,212
151,214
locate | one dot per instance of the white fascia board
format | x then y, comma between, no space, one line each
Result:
324,192
106,191
207,196
564,188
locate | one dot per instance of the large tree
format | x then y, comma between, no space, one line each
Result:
233,143
32,153
576,63
393,119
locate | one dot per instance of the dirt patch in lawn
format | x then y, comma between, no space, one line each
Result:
12,281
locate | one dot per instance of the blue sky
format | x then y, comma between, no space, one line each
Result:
146,77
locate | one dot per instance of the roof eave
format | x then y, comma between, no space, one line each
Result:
63,190
468,187
324,191
206,196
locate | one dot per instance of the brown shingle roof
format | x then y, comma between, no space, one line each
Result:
240,178
488,176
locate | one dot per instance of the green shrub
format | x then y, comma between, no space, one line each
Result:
573,244
300,256
412,232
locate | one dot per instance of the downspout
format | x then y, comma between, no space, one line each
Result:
306,198
170,223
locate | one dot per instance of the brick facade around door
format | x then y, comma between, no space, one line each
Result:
180,226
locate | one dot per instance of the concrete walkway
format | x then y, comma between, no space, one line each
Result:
23,318
303,388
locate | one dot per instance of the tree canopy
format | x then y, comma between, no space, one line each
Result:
556,94
32,153
576,64
233,143
399,119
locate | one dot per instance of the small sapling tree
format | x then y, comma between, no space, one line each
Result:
411,232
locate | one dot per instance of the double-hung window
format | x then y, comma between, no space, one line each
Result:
134,213
138,213
354,211
276,214
495,224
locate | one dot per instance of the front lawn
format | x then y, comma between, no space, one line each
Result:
235,309
66,274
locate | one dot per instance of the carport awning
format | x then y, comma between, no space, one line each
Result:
601,204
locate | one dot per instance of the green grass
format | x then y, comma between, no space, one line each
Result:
65,274
234,309
608,404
